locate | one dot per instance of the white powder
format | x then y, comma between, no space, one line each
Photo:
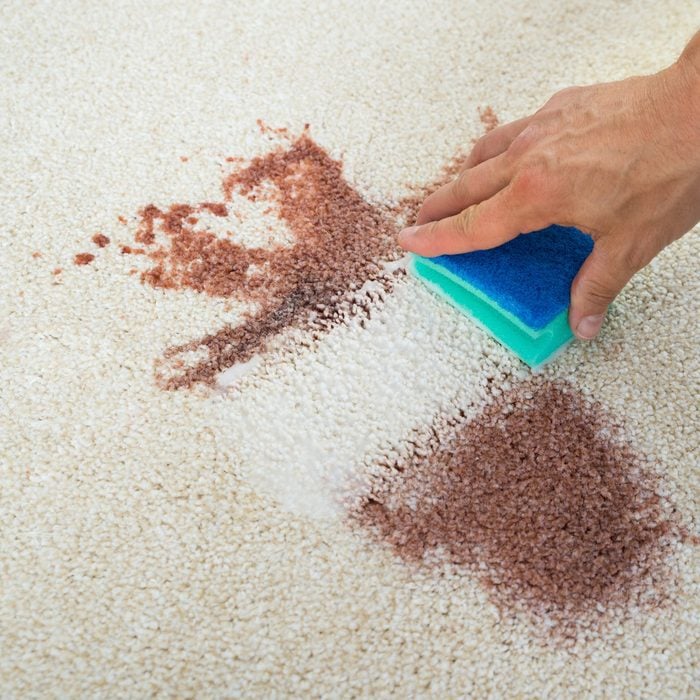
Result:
360,393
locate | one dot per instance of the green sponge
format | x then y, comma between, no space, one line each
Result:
518,292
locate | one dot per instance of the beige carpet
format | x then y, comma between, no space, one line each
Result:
241,452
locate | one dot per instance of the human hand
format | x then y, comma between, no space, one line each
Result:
620,161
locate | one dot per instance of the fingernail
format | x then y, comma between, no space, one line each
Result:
589,326
406,235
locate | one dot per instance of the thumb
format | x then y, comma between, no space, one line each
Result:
600,279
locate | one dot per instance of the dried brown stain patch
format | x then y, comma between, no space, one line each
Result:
100,240
83,258
340,243
542,499
488,118
339,240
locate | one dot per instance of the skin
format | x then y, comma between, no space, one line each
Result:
618,160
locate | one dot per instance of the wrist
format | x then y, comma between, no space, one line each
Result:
690,58
688,68
678,100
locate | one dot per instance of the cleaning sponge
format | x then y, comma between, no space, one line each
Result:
518,292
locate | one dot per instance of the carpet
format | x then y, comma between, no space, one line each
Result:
242,453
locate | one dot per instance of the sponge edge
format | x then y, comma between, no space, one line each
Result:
518,293
532,347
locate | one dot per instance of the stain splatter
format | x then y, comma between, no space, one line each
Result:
128,250
280,131
83,258
540,498
340,239
406,210
37,254
100,240
341,243
488,118
122,220
57,271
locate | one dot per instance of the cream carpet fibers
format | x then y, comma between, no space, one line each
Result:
243,454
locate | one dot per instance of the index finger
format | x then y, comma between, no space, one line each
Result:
470,187
487,224
496,141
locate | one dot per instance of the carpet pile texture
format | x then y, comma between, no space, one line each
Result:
242,452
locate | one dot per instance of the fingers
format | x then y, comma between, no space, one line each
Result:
496,141
600,279
486,173
470,187
484,225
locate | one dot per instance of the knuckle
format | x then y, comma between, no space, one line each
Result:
524,141
537,192
476,155
459,187
569,108
634,257
562,96
432,230
535,177
463,222
594,290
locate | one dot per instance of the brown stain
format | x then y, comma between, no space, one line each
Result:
100,240
488,118
83,258
57,271
37,254
216,208
128,250
340,241
280,131
407,209
542,499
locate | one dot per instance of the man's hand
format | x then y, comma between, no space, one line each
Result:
620,161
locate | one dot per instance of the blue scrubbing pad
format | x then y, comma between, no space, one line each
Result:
519,292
